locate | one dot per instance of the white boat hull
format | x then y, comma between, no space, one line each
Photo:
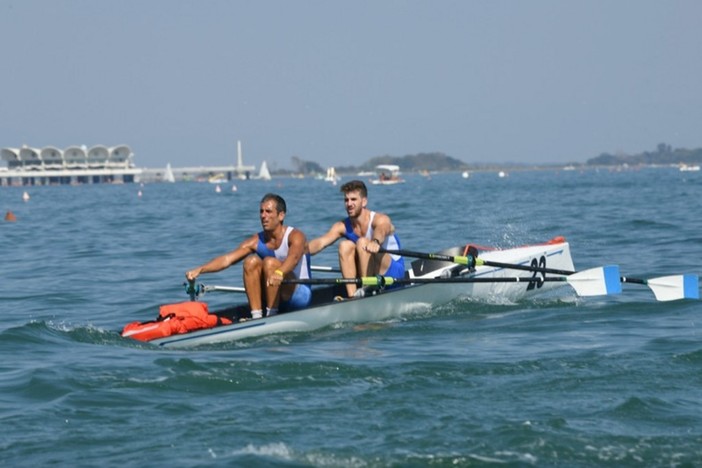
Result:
387,182
396,303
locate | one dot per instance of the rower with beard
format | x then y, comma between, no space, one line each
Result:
270,256
364,232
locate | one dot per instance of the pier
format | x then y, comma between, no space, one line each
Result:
77,165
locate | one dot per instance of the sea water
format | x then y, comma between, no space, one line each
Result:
551,381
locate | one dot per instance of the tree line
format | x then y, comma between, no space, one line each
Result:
663,155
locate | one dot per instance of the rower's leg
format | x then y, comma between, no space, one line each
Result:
253,267
347,263
270,264
384,260
366,263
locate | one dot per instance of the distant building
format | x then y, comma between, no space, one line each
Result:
73,165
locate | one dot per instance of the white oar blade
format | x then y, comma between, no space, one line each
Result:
596,281
672,288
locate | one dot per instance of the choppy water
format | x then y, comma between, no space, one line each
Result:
557,381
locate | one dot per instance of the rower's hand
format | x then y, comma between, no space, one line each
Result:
372,246
192,274
275,279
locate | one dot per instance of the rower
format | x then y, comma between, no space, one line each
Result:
270,256
365,233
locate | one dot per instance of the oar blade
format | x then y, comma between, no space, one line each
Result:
675,287
600,281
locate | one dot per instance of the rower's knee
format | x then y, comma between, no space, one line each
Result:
252,263
270,264
346,248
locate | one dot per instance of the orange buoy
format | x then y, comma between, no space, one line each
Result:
10,216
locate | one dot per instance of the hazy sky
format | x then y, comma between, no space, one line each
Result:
340,82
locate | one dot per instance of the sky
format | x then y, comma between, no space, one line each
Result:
340,82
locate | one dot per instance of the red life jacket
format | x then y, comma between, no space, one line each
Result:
174,319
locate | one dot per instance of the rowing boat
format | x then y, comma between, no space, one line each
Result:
382,304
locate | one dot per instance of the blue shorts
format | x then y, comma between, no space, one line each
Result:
301,298
396,269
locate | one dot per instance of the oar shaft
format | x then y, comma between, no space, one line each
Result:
626,279
232,289
388,281
357,281
327,269
429,256
511,279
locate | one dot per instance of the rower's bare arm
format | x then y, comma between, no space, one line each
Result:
225,261
382,227
324,241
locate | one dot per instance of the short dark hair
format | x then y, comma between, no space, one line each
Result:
279,202
354,185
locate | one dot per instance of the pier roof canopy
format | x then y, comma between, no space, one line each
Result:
73,157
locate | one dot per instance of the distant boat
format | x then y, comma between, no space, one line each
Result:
264,174
331,176
217,179
465,174
168,176
388,174
502,174
686,168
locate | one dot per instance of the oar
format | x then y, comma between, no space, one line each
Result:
593,282
665,288
670,288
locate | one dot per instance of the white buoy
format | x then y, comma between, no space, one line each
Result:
25,196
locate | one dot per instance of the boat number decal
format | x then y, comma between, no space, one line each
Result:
540,263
